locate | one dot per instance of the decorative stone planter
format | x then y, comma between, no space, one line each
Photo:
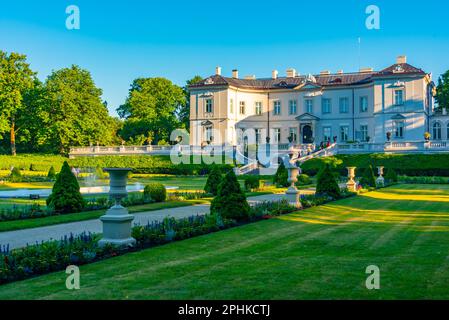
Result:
117,221
351,184
292,194
380,181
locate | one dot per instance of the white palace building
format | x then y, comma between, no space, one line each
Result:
361,111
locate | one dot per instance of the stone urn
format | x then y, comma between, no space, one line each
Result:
351,184
292,193
117,221
380,181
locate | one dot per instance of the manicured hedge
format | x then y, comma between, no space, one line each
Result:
403,164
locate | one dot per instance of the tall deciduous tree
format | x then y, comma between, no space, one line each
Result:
74,112
16,78
151,108
442,95
184,110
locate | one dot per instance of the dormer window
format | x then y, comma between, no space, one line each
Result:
209,81
398,69
282,84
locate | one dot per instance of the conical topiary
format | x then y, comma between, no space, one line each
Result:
213,181
281,177
66,196
16,175
327,184
51,175
391,176
230,202
368,178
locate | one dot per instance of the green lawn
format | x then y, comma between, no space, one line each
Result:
317,253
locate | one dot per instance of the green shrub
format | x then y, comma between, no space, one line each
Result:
33,167
391,176
213,180
99,173
280,179
368,178
303,180
230,202
51,175
327,184
155,192
16,175
252,182
66,196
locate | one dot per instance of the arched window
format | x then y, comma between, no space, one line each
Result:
437,131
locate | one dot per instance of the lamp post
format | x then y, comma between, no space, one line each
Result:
351,184
117,221
380,182
292,193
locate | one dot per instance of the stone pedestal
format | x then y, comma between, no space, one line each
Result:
117,221
380,181
351,184
292,194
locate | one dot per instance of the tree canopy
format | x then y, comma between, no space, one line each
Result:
442,95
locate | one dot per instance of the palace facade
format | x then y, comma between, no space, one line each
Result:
368,106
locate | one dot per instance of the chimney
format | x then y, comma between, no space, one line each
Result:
366,70
340,72
291,73
218,71
250,77
274,74
325,73
401,60
235,74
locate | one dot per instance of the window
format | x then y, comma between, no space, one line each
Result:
293,134
364,133
447,132
326,106
208,134
363,104
327,133
437,131
309,106
258,135
344,133
344,105
277,107
277,135
209,106
398,129
231,106
242,107
258,108
292,107
398,97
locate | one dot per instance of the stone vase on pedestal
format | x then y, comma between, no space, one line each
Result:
351,184
292,194
117,220
380,181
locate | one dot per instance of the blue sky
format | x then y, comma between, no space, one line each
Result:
122,40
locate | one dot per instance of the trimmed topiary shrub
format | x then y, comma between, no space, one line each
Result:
281,177
51,175
16,175
155,192
252,182
230,202
368,178
213,180
303,180
327,184
66,196
391,176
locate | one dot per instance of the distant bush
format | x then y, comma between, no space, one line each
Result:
213,180
16,175
33,167
252,182
280,179
368,179
391,176
424,180
66,196
51,175
303,180
155,192
327,184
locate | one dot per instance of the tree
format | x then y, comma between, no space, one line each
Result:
442,95
327,184
51,175
391,176
151,108
281,177
213,181
230,202
184,110
65,196
16,78
74,114
368,178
